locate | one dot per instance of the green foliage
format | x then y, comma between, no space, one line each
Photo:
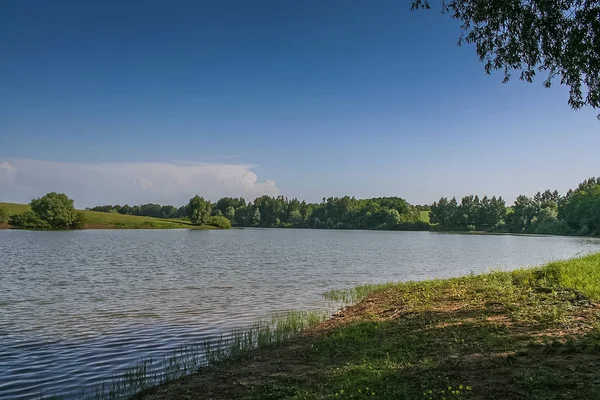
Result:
226,204
29,220
56,209
256,217
52,211
333,213
524,211
79,221
219,221
471,214
4,215
392,218
229,213
143,210
582,207
557,38
199,210
578,212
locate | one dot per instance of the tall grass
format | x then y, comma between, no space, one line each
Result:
188,359
358,293
581,274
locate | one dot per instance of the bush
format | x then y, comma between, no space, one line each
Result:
500,227
56,209
414,226
4,216
219,222
555,227
78,221
29,220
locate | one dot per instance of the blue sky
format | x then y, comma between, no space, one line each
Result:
304,98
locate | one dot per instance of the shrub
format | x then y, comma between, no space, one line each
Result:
78,221
219,221
414,226
500,227
555,227
4,216
29,220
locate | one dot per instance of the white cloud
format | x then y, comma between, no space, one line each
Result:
7,173
131,183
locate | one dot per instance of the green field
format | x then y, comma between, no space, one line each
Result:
529,334
14,208
100,220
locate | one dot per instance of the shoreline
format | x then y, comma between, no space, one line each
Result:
531,333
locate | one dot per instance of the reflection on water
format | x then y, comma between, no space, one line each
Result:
77,307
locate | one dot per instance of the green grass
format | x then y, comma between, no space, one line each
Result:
579,274
528,334
110,220
95,219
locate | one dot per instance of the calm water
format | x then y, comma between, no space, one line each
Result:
78,307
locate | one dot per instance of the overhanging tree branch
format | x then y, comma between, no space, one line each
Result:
559,38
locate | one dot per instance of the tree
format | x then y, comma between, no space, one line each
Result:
524,210
445,213
296,218
225,202
199,210
56,209
256,217
229,213
559,38
392,218
582,209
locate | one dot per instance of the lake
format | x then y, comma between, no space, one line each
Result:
77,307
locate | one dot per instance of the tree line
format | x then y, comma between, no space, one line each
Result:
279,211
334,213
144,210
548,212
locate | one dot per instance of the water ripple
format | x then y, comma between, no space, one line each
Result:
76,308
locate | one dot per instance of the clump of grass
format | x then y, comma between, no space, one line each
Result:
355,294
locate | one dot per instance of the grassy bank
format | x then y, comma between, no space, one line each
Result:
100,220
527,334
